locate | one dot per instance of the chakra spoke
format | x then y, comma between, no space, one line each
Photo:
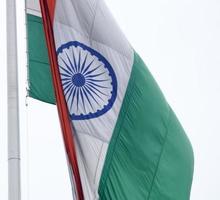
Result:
81,94
93,91
73,96
67,86
72,68
95,75
104,80
66,83
78,69
67,66
66,75
91,86
84,63
68,72
66,79
91,95
74,60
88,66
70,93
100,86
92,70
77,98
83,89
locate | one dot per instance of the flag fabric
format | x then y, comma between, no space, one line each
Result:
39,74
128,142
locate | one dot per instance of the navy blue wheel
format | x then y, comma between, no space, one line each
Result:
89,81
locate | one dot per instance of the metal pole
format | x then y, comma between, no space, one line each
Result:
14,187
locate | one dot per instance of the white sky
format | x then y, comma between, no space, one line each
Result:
180,43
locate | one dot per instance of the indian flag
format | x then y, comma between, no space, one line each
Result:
122,139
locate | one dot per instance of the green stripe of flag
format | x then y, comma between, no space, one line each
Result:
149,144
40,80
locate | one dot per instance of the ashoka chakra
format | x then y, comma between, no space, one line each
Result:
88,80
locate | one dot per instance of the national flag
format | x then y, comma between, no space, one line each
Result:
128,141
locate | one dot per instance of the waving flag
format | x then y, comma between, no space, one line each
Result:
122,138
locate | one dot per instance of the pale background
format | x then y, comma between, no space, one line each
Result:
180,43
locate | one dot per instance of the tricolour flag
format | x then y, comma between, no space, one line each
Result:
127,140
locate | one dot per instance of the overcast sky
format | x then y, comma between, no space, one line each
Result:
180,43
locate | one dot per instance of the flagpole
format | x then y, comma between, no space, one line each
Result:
14,187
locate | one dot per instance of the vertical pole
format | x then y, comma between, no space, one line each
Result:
14,190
